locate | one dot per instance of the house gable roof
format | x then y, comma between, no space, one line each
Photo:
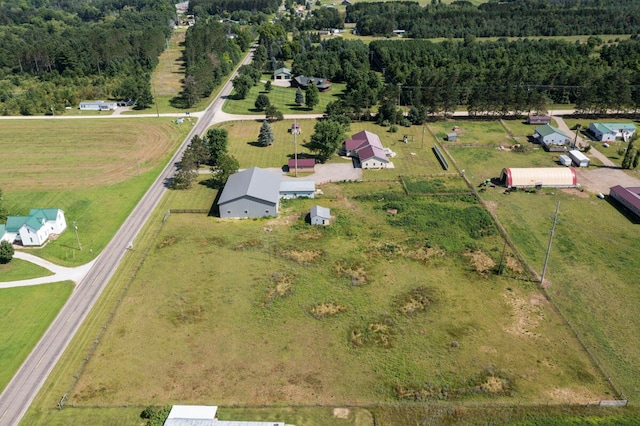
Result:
548,129
297,186
48,214
616,127
254,182
371,138
371,151
282,71
14,223
302,162
322,83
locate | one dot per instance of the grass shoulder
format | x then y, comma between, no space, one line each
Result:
19,269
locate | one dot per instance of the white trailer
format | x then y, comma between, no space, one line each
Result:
565,160
578,158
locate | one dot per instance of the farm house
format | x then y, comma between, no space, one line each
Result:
550,177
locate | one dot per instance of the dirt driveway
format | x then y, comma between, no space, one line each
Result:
602,178
325,173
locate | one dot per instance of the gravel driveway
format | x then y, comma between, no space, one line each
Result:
328,173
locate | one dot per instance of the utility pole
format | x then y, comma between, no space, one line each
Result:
75,228
155,97
553,228
422,145
295,146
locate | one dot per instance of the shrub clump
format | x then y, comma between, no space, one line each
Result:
355,272
417,300
280,286
326,309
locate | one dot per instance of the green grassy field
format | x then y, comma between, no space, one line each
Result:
25,314
214,290
283,98
93,170
593,257
20,270
484,329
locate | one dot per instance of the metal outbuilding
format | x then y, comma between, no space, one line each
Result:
253,192
552,177
565,160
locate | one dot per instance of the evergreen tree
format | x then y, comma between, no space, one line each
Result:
267,86
299,96
266,138
6,252
312,96
627,161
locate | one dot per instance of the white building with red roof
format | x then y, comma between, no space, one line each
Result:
367,147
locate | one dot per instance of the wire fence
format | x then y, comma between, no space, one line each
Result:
596,362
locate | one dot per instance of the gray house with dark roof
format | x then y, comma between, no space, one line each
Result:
548,135
303,82
254,192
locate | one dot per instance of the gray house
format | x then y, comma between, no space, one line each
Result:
548,135
252,192
320,215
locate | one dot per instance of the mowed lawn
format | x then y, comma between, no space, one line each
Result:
19,269
25,314
283,98
414,158
94,170
240,312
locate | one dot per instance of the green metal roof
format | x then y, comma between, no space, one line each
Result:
15,222
3,230
617,126
547,130
49,214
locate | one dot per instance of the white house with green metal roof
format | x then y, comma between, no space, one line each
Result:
609,132
35,229
549,135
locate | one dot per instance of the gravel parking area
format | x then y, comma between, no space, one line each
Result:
329,173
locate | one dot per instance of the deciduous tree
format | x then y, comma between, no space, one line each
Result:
262,101
327,137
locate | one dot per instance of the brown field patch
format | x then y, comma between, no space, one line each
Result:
527,314
480,261
356,273
341,413
302,256
514,264
280,286
417,300
575,192
327,309
574,395
73,154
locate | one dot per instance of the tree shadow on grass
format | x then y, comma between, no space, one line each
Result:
256,143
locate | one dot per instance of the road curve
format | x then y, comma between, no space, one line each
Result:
23,388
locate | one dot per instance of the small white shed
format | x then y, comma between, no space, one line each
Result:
565,160
579,159
320,215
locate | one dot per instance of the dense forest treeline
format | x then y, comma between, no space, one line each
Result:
503,76
517,18
219,7
210,54
55,53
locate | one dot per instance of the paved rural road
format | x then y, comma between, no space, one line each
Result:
24,386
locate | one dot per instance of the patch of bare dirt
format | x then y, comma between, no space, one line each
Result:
527,314
575,192
573,395
302,256
341,413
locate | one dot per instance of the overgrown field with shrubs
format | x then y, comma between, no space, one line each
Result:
393,302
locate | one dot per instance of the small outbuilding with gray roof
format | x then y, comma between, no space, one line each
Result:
253,192
206,415
319,215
